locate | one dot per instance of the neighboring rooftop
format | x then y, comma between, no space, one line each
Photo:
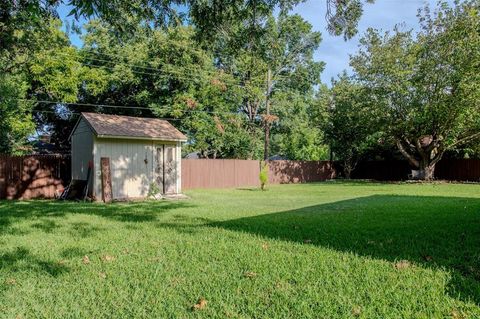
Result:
106,125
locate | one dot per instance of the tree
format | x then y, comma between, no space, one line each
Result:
351,129
165,73
39,65
209,16
213,17
298,135
281,50
426,87
15,119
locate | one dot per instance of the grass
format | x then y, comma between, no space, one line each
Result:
327,250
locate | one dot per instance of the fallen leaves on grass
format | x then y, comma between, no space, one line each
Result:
86,260
458,315
102,275
201,304
250,274
356,311
403,264
11,281
108,258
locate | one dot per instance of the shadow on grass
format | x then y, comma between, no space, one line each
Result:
48,217
45,213
21,259
436,232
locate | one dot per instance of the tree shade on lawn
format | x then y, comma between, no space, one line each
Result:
333,250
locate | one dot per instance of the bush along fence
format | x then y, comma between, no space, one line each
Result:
35,176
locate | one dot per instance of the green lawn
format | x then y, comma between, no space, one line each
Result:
328,250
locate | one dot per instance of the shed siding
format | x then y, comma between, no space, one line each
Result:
131,164
179,167
82,151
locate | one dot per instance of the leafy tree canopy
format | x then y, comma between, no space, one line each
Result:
426,85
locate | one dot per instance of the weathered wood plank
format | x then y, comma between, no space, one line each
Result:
106,179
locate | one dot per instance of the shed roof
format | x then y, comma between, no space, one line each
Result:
106,125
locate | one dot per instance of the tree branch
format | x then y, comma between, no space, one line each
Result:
438,157
409,157
465,140
420,150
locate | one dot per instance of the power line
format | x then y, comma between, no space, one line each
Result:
166,71
127,107
181,75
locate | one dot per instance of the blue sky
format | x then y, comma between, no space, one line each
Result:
383,14
334,51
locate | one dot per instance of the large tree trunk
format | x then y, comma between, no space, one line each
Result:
430,154
347,171
349,165
427,171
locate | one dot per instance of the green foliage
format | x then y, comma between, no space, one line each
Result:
153,190
171,73
15,121
263,176
343,17
138,54
425,86
352,128
298,135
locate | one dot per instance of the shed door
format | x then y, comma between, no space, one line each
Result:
159,167
169,170
166,169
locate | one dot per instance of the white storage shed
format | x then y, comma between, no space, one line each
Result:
143,153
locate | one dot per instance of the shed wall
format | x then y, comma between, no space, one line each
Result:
82,151
131,166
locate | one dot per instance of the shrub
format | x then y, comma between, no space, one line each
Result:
263,176
153,191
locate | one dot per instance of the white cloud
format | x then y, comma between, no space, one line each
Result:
383,14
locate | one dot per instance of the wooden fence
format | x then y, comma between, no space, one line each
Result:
285,172
221,173
228,173
36,176
446,169
39,176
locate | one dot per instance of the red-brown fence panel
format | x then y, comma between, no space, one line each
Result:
458,170
219,173
35,176
285,172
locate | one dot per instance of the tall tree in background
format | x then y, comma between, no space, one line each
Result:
426,86
164,72
39,65
51,70
280,49
352,128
